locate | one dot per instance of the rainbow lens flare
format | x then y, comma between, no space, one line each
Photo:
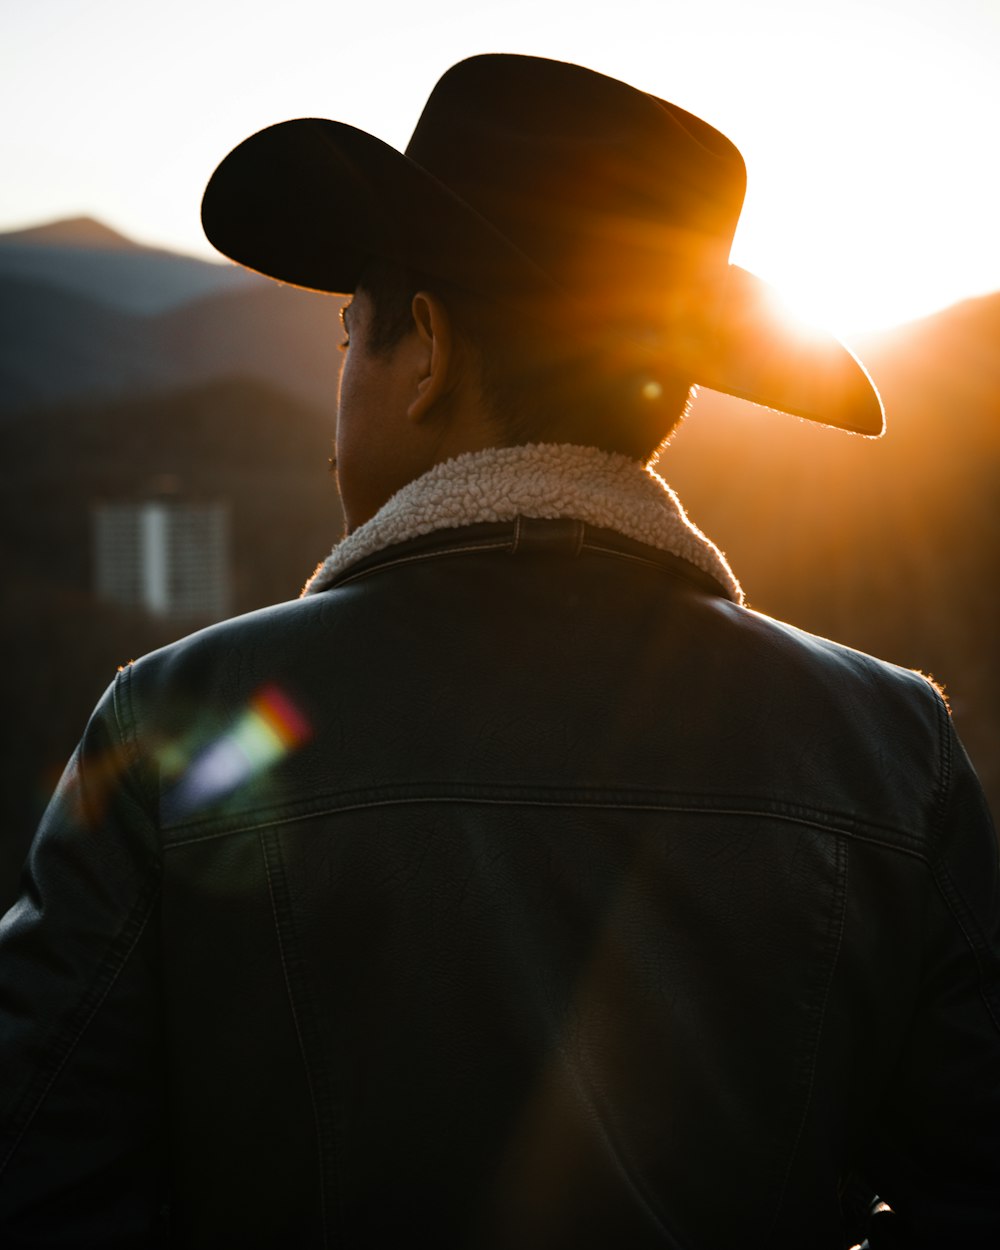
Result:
270,728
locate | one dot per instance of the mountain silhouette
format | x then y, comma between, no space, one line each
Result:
101,317
84,257
72,232
58,345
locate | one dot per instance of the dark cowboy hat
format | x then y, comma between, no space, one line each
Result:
596,206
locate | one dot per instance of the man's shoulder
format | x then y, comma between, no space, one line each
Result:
854,668
829,688
213,672
228,643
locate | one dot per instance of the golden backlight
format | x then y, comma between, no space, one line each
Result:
832,282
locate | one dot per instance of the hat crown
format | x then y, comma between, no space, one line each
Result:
584,173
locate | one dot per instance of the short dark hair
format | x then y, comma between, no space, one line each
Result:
538,384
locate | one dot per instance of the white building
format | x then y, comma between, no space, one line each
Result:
170,557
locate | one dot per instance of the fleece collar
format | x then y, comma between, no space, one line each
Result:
547,481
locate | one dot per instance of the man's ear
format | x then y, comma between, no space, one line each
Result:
436,343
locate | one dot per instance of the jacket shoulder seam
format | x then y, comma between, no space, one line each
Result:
125,723
358,801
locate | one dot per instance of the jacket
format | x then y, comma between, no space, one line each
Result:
516,887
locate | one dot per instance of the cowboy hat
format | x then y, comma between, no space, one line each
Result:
553,187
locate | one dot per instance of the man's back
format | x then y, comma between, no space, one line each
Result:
585,908
518,889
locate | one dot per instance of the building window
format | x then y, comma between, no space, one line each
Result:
169,557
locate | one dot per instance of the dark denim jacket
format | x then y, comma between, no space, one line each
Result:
506,898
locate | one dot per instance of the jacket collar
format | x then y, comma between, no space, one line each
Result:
546,481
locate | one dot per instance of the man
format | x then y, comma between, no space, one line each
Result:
516,887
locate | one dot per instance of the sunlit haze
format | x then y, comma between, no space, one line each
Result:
868,126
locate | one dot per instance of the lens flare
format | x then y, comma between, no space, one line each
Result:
269,729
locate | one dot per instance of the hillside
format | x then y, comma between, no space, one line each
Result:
71,232
59,345
282,336
85,257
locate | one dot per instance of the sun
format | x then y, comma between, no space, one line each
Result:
849,289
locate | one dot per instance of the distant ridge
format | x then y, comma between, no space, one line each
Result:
59,343
73,232
84,257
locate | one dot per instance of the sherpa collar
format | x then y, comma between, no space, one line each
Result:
547,481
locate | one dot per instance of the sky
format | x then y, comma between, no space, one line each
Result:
869,127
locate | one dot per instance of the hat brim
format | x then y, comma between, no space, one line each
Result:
761,352
307,202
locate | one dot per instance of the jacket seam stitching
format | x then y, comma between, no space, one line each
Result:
606,806
945,761
943,880
124,711
838,919
79,1032
692,577
681,809
299,1036
419,556
124,716
956,906
512,545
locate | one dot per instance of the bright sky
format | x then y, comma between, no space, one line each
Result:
869,127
